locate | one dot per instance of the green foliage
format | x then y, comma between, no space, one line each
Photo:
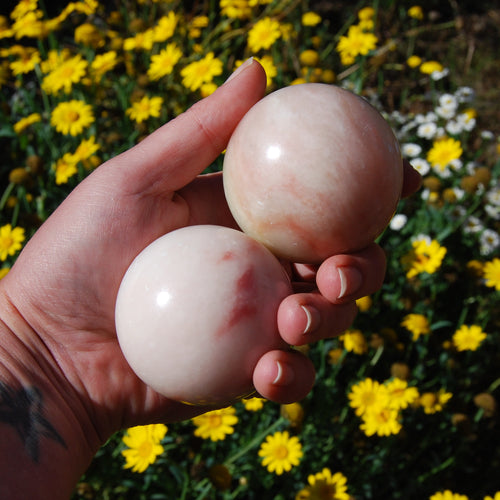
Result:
456,446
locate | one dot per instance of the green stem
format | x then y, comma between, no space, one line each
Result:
377,355
6,194
203,493
436,469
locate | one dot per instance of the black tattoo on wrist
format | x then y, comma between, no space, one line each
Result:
23,409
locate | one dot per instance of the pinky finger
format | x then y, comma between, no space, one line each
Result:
284,376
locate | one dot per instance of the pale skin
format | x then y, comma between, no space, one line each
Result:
64,384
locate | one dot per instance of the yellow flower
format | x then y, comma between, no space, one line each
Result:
416,12
4,271
293,412
366,13
235,9
23,7
432,402
414,61
163,63
85,150
382,421
5,31
298,81
196,25
65,75
54,59
429,67
29,25
328,76
444,151
310,19
400,395
263,34
72,117
195,74
145,108
417,324
335,356
103,63
144,446
216,425
309,57
355,43
199,22
425,257
288,32
24,123
280,452
141,41
85,6
496,497
65,168
491,273
364,303
354,341
207,89
165,27
267,63
468,338
253,404
27,60
88,34
368,394
10,241
447,495
325,486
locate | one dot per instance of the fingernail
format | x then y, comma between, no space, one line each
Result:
313,318
284,375
239,70
350,281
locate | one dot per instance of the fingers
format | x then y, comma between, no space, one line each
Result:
177,152
308,317
411,180
284,376
347,277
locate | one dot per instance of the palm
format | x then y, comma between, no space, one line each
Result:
67,278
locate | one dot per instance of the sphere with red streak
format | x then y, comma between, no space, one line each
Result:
311,171
197,309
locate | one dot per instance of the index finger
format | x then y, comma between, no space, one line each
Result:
177,152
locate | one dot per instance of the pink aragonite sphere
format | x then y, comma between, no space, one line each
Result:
197,309
313,170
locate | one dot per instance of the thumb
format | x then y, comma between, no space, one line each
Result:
177,152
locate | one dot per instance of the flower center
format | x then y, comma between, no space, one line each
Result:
6,242
281,452
145,449
214,421
73,116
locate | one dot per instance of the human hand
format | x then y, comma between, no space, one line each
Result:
64,284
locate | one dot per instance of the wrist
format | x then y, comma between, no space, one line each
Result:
46,436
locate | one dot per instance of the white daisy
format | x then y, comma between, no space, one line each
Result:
398,222
472,225
488,241
427,130
410,149
421,166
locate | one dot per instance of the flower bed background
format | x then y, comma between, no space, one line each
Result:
405,403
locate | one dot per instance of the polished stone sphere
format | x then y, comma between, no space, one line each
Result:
313,170
197,309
